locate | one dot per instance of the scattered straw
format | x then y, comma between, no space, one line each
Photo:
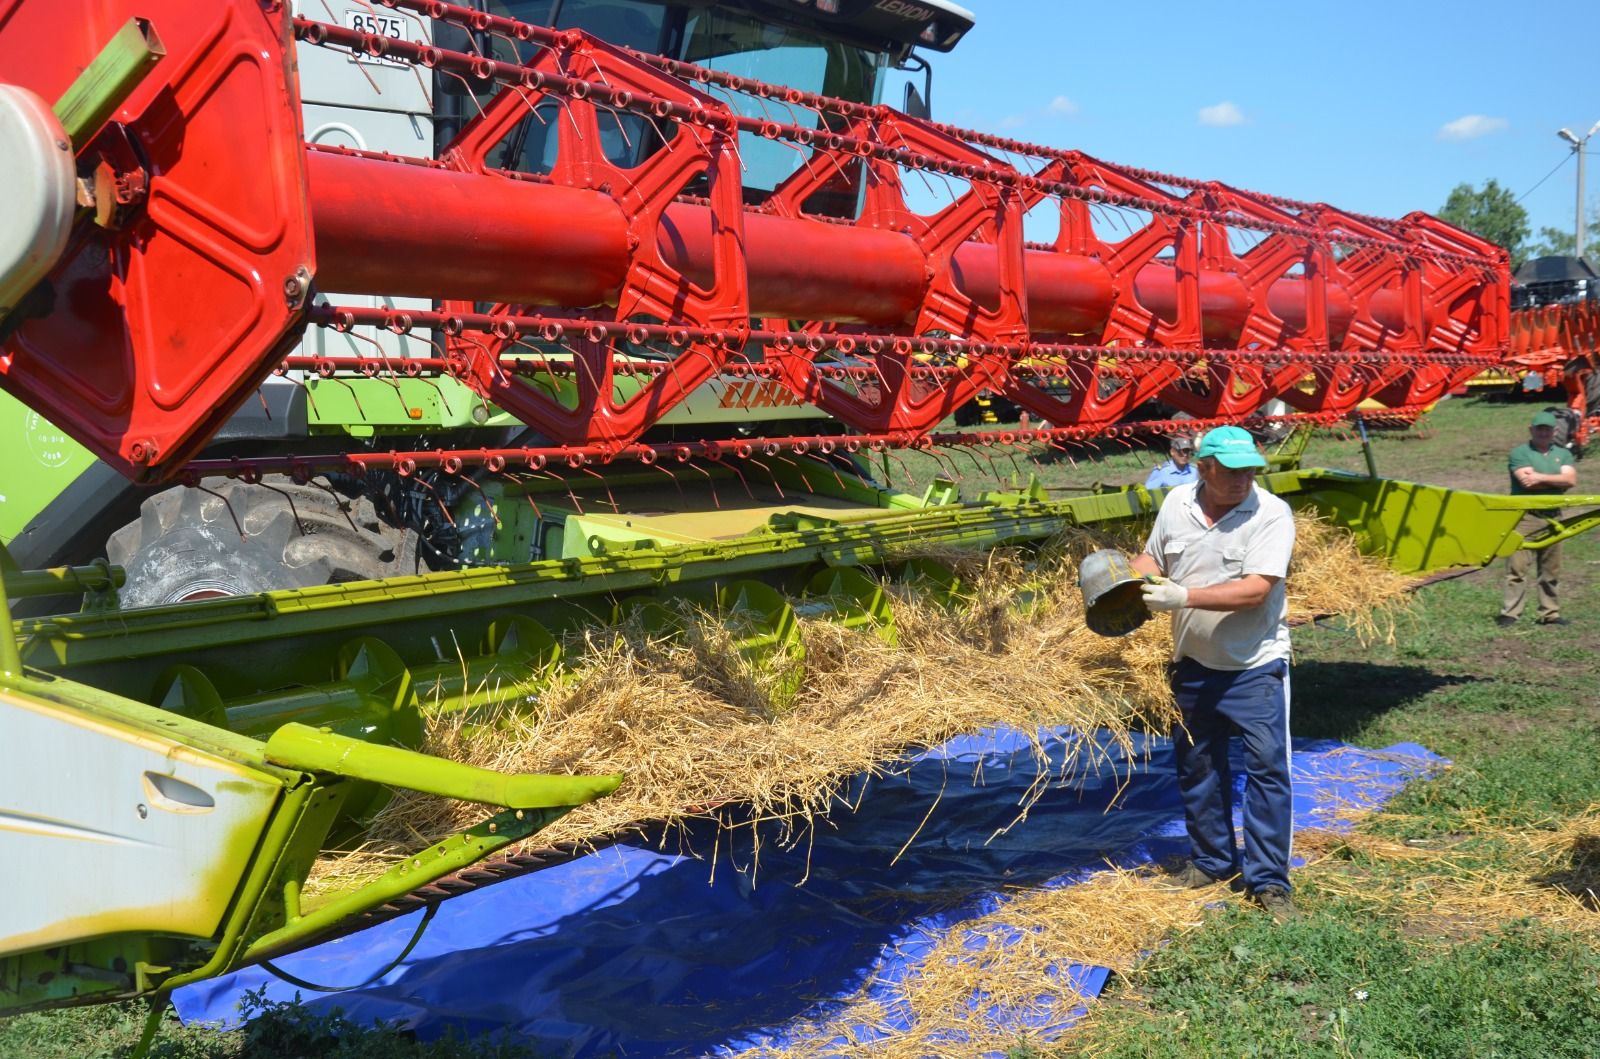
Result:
693,726
998,982
988,979
1329,577
1550,874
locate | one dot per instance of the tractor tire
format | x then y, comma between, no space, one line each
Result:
233,538
969,414
1567,422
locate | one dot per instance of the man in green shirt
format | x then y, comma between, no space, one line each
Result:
1538,468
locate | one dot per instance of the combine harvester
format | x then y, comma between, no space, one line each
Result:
377,345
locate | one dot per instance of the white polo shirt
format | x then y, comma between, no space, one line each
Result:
1257,537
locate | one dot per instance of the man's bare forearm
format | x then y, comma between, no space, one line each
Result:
1568,477
1241,593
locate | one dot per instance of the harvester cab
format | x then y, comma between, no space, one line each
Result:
1554,280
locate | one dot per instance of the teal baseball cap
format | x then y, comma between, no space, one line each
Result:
1230,446
1544,419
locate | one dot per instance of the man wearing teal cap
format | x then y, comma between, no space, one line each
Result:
1218,554
1538,468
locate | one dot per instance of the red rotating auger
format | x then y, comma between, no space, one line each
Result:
162,314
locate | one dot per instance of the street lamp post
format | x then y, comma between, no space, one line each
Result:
1577,149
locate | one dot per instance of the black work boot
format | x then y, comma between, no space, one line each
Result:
1190,876
1276,902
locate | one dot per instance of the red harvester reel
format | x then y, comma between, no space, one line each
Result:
209,223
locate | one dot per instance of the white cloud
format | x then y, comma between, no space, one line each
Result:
1059,107
1220,115
1471,127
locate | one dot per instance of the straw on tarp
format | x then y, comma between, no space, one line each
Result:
693,725
989,983
997,982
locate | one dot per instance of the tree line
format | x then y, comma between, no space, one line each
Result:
1493,212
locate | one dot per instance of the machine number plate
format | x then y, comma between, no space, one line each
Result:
383,25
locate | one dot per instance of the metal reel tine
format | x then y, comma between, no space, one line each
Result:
715,500
772,479
234,517
611,500
740,475
494,509
673,478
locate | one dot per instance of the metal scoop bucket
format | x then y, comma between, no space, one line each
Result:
1112,602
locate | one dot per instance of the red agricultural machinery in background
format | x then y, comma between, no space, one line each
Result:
1554,342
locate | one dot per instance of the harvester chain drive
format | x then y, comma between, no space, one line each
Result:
936,365
483,873
536,460
556,329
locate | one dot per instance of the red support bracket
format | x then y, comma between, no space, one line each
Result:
175,299
988,211
698,145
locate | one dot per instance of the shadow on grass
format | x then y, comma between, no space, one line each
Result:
1581,878
1338,700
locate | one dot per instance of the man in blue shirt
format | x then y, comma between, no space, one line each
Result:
1179,469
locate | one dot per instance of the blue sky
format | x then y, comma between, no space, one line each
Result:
1375,108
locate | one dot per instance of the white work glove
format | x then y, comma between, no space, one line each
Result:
1164,595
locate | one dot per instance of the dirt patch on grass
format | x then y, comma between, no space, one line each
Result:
1447,929
1503,656
1508,723
1459,886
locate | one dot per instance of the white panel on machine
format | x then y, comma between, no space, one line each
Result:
78,794
369,104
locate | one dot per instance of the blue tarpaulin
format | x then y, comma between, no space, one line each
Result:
642,951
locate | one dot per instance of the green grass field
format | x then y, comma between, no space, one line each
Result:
1389,959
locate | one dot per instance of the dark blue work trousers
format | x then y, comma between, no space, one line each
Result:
1255,703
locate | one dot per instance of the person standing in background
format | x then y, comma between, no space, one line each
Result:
1179,467
1539,468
